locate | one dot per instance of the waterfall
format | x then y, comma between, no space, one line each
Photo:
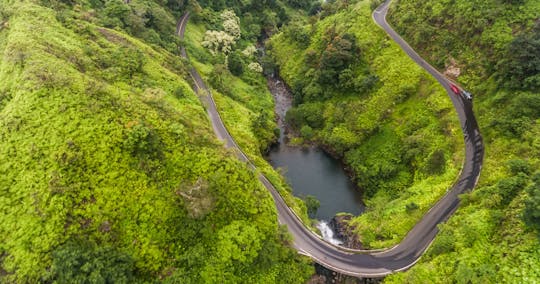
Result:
328,233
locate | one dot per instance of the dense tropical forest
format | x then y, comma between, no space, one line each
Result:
361,97
110,169
495,45
111,172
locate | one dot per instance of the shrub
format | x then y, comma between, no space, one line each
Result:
508,188
179,92
78,262
411,207
298,33
249,51
517,166
236,63
312,205
255,67
531,214
218,41
436,162
231,23
307,132
339,54
520,66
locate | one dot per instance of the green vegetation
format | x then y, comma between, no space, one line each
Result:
312,205
493,237
257,16
361,97
111,172
519,70
110,169
531,215
243,100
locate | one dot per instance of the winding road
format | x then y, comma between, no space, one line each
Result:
368,263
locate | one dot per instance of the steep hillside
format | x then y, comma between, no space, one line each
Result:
364,100
110,170
222,47
495,47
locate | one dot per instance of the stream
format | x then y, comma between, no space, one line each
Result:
311,171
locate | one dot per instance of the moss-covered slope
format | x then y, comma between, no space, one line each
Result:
110,170
391,122
495,45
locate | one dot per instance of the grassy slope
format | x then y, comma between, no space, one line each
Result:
239,111
426,117
96,151
485,241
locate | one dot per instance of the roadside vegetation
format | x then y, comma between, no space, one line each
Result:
110,169
360,97
222,47
494,237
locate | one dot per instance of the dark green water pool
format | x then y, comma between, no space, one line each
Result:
311,171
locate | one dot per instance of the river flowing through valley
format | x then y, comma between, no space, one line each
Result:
311,171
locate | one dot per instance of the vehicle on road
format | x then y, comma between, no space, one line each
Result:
455,89
370,263
466,95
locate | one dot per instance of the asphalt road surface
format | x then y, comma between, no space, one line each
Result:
367,263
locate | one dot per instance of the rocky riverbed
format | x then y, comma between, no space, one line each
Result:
345,232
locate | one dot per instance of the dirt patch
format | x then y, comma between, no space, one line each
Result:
452,69
112,36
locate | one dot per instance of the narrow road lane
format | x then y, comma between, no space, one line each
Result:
367,263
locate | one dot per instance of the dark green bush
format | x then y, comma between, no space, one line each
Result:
508,188
436,162
312,205
411,207
236,63
531,213
80,262
520,69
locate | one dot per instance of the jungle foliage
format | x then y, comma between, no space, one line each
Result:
110,169
360,96
243,99
111,172
494,236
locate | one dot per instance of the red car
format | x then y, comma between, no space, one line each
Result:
454,88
